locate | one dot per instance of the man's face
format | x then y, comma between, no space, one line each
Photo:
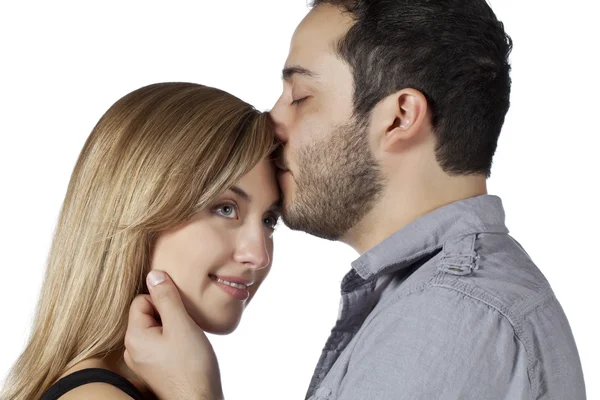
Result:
329,177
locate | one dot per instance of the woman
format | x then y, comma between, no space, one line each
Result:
176,177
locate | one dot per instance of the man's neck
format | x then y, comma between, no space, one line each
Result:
399,207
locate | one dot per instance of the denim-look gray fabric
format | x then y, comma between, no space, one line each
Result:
449,307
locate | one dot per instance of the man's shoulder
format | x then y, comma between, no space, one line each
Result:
484,270
504,277
490,295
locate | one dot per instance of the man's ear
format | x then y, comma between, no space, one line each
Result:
399,118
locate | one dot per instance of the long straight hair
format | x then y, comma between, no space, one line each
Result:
157,156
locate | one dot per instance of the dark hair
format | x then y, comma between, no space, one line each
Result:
455,52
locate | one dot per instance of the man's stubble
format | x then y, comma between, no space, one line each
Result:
338,181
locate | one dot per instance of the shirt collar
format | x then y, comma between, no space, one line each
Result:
426,234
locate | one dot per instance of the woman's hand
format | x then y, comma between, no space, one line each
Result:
172,355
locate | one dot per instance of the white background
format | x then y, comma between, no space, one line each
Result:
63,64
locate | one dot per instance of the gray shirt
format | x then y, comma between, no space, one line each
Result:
449,307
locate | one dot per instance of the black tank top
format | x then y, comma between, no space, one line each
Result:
91,375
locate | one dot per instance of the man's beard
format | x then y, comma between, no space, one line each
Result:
338,182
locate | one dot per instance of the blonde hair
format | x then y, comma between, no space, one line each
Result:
156,157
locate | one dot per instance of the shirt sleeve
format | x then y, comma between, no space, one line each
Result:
437,344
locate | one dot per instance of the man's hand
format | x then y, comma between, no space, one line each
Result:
171,354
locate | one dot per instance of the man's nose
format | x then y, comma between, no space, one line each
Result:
278,118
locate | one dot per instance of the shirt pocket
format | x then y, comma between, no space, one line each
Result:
322,393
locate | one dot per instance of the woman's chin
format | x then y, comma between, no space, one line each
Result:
215,318
224,328
221,330
218,325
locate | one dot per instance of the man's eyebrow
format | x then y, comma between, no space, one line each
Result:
289,72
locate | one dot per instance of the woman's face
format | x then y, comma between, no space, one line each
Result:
220,257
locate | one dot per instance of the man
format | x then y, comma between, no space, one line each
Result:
389,119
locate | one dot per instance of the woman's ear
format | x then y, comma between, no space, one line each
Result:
398,118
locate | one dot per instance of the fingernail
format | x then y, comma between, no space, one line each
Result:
156,277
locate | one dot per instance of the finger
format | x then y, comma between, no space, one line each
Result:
142,322
142,314
167,301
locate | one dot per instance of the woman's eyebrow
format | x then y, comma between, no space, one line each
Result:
276,206
237,190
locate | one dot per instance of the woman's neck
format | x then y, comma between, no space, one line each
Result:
113,362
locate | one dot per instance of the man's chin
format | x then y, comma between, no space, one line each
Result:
296,222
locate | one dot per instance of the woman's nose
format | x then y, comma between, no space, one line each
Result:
252,249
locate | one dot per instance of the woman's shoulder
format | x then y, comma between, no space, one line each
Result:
92,383
95,391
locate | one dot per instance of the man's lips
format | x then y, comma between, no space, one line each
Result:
281,165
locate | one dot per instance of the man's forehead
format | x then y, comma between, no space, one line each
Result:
326,20
317,35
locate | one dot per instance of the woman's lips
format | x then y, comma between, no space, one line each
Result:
234,279
235,287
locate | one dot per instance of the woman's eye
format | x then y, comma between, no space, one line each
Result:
227,211
271,221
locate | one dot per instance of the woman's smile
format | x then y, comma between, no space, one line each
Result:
234,287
